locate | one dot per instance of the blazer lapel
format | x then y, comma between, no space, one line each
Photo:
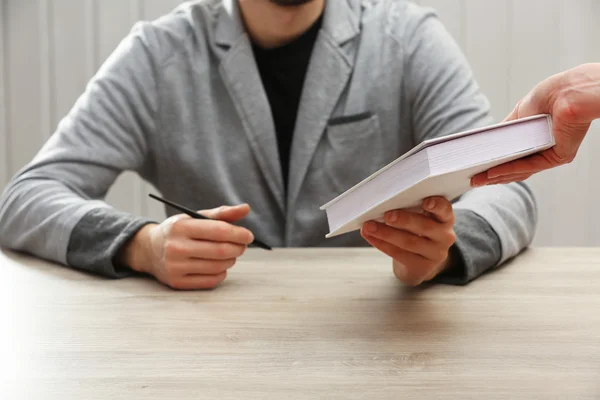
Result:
328,74
241,77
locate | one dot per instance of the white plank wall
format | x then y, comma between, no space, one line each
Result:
5,161
50,48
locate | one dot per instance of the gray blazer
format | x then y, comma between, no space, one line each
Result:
180,102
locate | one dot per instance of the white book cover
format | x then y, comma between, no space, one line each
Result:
438,167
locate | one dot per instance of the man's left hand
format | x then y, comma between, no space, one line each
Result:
419,243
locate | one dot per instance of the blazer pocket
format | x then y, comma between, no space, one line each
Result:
354,149
350,118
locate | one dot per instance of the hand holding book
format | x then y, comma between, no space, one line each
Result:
440,167
572,98
418,242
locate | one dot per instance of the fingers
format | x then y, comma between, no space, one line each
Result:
216,231
480,179
183,273
524,166
505,179
531,164
570,98
410,268
395,252
440,208
201,267
417,224
413,276
405,241
423,224
227,213
417,243
181,249
196,254
483,180
197,282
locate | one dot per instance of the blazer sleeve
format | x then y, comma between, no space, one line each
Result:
105,133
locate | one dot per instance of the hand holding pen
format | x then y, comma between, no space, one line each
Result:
190,250
196,215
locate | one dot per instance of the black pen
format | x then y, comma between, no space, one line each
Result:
195,215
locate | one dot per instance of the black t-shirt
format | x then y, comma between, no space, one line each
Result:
283,71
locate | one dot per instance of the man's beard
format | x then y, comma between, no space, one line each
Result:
290,3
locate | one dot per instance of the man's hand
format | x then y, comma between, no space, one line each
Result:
188,254
419,243
572,98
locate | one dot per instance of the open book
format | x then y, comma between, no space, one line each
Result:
438,167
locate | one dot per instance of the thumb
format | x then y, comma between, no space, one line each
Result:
514,113
227,213
539,100
527,107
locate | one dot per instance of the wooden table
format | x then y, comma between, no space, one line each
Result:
305,324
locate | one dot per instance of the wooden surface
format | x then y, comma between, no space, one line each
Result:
305,324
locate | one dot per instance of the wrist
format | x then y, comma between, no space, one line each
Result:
135,254
448,262
453,262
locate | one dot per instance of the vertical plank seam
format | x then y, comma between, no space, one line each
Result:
593,49
45,33
463,24
556,233
52,91
4,95
509,55
137,8
91,54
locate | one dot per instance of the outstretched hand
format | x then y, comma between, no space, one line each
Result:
572,98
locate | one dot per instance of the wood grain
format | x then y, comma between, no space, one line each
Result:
305,324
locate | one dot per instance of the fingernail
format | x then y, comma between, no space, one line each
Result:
430,204
492,175
371,227
392,217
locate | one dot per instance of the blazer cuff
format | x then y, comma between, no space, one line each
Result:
97,239
477,249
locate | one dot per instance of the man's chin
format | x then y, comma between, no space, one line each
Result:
290,3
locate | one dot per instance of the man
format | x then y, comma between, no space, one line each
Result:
572,98
281,104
